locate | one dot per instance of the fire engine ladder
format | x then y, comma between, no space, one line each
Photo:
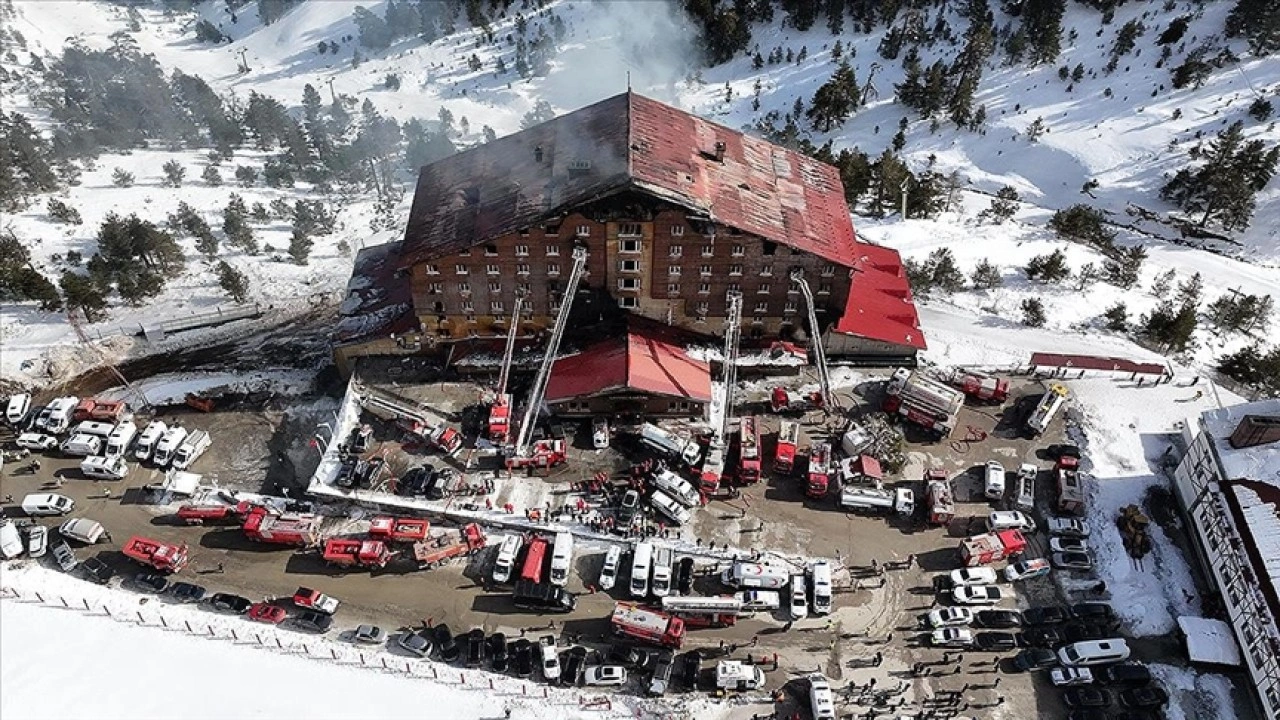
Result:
732,333
539,389
375,399
510,351
815,341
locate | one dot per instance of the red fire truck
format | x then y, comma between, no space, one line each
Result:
534,559
784,456
1069,496
748,450
990,547
298,529
394,529
500,418
938,493
647,626
819,471
165,557
981,386
543,455
431,554
356,553
782,400
215,513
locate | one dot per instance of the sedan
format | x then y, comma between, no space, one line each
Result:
629,656
415,643
977,595
37,540
185,592
1086,697
313,621
1079,632
64,556
1070,677
1045,615
575,661
951,637
230,604
628,507
605,675
1072,561
973,576
691,668
995,641
153,583
1144,697
267,613
446,644
97,571
1097,612
799,600
684,576
1124,674
82,530
498,652
1068,545
997,618
369,635
1026,569
522,654
949,616
1067,527
1035,659
1041,637
475,648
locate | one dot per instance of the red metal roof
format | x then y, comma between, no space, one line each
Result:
880,306
1091,362
628,142
638,361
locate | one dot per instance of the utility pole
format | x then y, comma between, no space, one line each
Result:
332,96
244,63
903,188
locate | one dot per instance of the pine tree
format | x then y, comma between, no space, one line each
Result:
1191,291
1222,190
246,176
122,179
299,247
986,276
1163,282
211,176
1258,21
235,223
1083,224
1042,26
1051,268
233,282
1033,313
1003,206
835,100
63,213
1171,325
174,173
1125,267
82,294
1117,317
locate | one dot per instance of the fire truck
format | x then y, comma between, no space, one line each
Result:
348,552
942,502
99,411
542,456
444,438
1070,493
165,557
193,514
500,411
302,530
784,455
1050,403
782,400
647,626
430,554
700,612
923,401
990,547
748,450
394,529
981,386
819,471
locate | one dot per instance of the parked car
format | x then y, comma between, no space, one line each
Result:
799,598
37,441
627,508
1080,631
1072,561
951,637
1046,636
628,656
973,576
1035,659
475,648
995,641
550,659
1068,545
1070,676
10,539
997,619
522,656
64,557
312,621
977,595
660,680
82,530
95,570
600,432
1086,697
949,616
415,643
1067,527
575,663
1096,612
605,675
1027,569
609,570
498,652
369,635
684,576
1056,451
37,541
185,592
153,583
1045,615
691,668
1123,674
230,604
1144,697
446,644
264,612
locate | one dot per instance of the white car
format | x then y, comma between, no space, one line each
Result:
37,441
82,530
1071,676
948,616
993,485
977,595
10,541
1026,569
1067,527
609,572
951,637
973,576
600,435
550,662
1066,544
18,406
799,598
37,540
605,675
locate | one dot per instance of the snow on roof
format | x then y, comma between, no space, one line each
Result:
1209,641
1260,462
1263,521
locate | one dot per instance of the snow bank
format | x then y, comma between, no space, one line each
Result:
172,388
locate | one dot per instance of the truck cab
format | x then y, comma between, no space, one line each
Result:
310,599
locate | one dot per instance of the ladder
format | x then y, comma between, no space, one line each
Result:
815,342
732,333
539,389
507,355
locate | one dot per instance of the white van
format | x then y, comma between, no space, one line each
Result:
82,445
105,468
90,427
561,558
17,408
820,587
37,441
147,441
191,449
1094,652
674,511
1010,520
755,575
47,504
56,416
169,445
506,561
1024,498
678,488
10,541
660,585
994,486
739,676
609,571
759,600
640,564
119,439
821,703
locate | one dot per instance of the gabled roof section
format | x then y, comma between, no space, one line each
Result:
880,306
629,142
639,361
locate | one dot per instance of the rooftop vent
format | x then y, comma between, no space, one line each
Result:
537,153
717,154
1255,430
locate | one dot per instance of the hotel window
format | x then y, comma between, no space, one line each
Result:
496,306
468,306
629,266
553,251
629,229
762,308
471,319
673,270
763,289
677,230
473,333
703,308
522,268
523,288
739,251
704,270
629,246
495,287
433,269
464,288
460,269
490,250
704,288
757,320
522,250
553,268
828,270
734,287
675,250
465,253
766,271
673,288
434,288
790,307
628,302
584,230
824,288
628,283
794,287
735,269
526,305
708,250
492,270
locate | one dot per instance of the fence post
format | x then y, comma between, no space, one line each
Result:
107,610
39,597
384,663
408,668
188,624
278,643
140,620
435,675
64,601
334,653
234,636
306,649
524,689
163,621
361,658
211,631
462,678
490,683
86,605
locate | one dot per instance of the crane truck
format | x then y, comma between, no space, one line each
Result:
923,401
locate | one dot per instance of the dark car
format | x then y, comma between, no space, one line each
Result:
1072,561
1035,659
366,474
628,507
691,668
96,570
1086,697
153,583
1041,637
573,665
346,473
522,655
417,643
415,481
684,576
1045,615
498,652
995,641
1096,612
1056,451
1144,697
631,657
185,592
475,648
230,604
1123,674
1081,631
435,485
64,556
446,644
660,680
997,619
312,621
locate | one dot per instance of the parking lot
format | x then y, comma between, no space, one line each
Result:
870,644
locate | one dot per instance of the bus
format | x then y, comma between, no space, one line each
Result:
534,559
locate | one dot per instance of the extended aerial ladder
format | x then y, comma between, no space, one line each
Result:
815,342
713,466
500,413
521,449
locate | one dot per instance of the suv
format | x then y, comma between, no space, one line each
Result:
550,659
629,656
997,618
1035,659
1096,612
1123,674
415,642
475,648
661,678
1045,615
574,664
691,668
627,508
445,643
995,641
97,571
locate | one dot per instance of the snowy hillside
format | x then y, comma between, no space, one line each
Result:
1125,131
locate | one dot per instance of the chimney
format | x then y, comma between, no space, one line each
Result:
1255,430
537,153
719,156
